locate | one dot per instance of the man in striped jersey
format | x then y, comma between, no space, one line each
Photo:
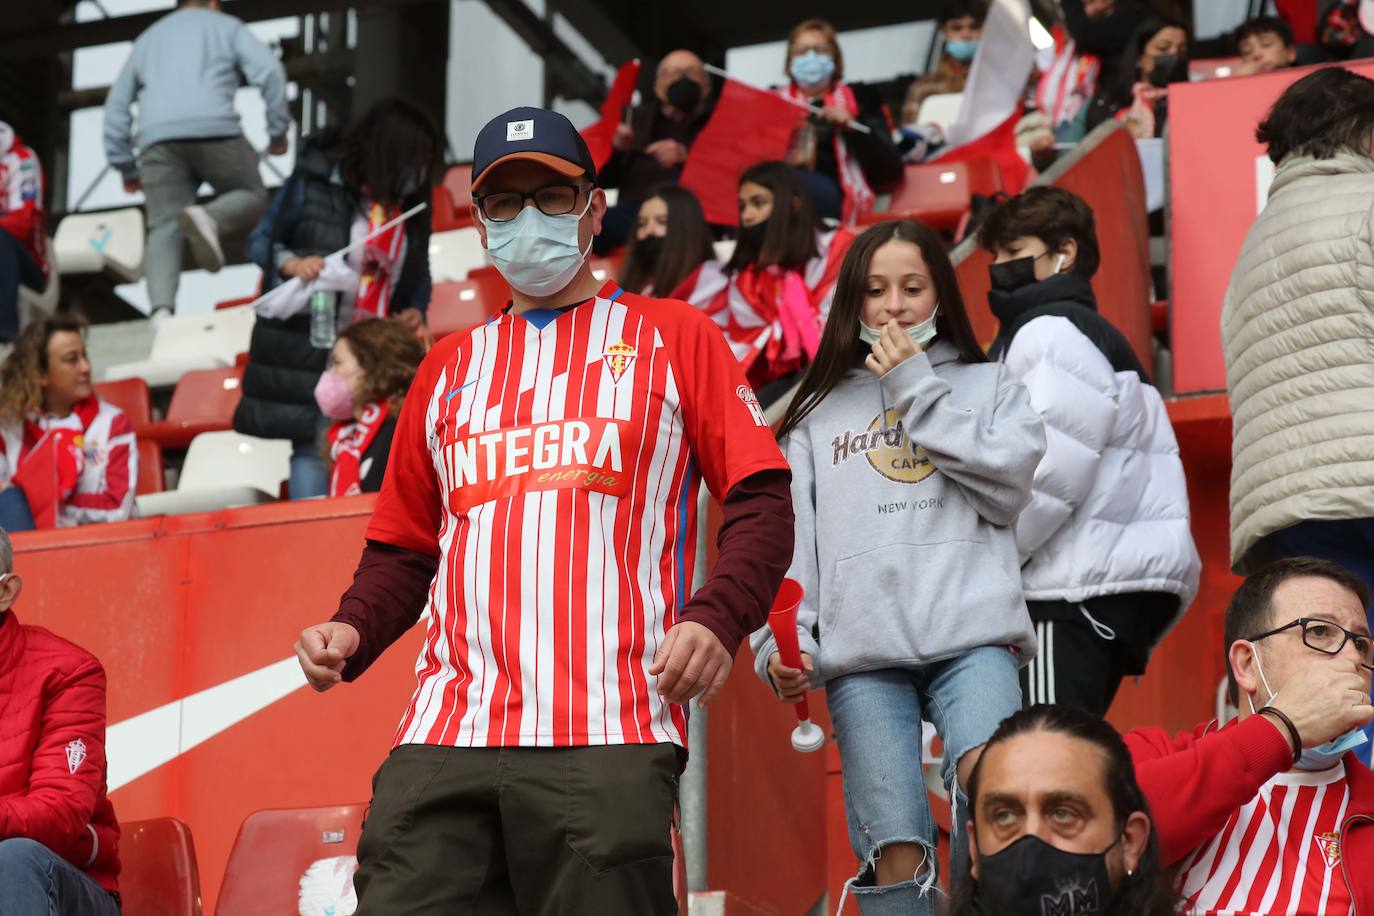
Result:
1271,813
540,505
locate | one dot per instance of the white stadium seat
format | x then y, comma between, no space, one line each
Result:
452,254
185,342
224,470
942,109
110,242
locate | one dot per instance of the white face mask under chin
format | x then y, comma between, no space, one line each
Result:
538,254
920,333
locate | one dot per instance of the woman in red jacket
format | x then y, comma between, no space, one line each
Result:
58,834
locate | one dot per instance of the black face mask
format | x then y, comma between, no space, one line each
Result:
648,250
751,237
1032,878
1169,68
684,94
1009,276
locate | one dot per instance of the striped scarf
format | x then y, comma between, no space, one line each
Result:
858,196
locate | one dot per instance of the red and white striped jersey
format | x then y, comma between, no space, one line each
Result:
554,469
1279,853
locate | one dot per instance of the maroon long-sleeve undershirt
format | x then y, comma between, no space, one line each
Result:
754,549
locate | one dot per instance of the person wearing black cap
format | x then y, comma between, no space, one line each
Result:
540,504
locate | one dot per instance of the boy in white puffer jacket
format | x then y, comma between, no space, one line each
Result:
1108,562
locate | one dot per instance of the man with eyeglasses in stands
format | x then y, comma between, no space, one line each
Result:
1272,813
540,502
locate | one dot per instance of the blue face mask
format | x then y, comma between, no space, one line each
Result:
1323,756
538,254
961,50
812,69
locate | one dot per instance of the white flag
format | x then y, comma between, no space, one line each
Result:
997,80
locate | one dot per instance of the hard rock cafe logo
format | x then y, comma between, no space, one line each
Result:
886,447
1330,846
618,357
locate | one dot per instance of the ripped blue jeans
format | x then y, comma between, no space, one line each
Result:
877,717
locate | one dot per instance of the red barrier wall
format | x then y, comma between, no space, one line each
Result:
1217,171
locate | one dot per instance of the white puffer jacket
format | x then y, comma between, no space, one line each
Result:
1109,508
1297,328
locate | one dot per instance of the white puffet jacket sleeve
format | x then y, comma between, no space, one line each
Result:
1109,508
1073,389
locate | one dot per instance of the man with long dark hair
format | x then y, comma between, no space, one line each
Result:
1272,813
541,503
1058,824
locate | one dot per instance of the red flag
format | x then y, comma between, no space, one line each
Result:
598,136
748,126
999,144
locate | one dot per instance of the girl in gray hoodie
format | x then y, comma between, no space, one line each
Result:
911,457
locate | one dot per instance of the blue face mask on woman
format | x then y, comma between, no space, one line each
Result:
961,50
538,254
812,69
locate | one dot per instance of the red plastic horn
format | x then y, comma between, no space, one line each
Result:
782,620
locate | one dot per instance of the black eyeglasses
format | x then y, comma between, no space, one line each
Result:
1328,637
552,200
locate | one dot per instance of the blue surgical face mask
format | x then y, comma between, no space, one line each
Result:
812,69
961,49
1323,756
538,254
922,333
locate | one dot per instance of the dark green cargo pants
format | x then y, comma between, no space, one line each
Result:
528,831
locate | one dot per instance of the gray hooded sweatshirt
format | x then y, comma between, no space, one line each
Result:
905,492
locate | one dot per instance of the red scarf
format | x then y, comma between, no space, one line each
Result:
51,460
790,312
349,440
858,196
381,263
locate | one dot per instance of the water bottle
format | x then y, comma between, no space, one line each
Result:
322,329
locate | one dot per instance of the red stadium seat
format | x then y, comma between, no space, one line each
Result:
204,401
939,194
451,200
461,304
458,180
130,395
151,472
158,874
274,849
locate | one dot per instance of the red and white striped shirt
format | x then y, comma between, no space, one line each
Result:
554,470
1280,853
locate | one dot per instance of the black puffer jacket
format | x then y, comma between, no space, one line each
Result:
312,214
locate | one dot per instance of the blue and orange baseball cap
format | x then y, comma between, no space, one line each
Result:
534,134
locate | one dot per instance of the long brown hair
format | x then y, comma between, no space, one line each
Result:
388,353
22,372
685,247
789,235
841,350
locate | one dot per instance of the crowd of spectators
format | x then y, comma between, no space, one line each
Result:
1052,451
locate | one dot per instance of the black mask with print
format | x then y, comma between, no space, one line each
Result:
1032,878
